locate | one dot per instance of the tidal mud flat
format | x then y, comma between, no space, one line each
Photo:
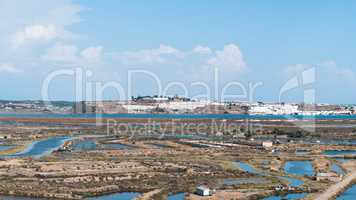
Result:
78,158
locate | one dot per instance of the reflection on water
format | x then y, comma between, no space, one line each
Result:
179,196
300,168
119,196
287,197
41,148
349,194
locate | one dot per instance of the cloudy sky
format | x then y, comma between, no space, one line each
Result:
250,49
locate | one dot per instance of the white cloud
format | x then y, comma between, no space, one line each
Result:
164,49
202,50
37,21
92,54
34,33
149,56
70,54
192,62
66,15
61,52
341,73
327,73
229,58
9,68
171,63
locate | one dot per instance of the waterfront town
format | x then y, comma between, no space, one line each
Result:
174,105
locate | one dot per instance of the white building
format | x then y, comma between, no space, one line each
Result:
267,144
136,108
184,105
160,99
331,176
274,109
203,191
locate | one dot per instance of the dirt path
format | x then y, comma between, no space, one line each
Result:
335,189
148,195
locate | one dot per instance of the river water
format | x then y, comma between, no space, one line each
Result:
300,168
41,148
246,167
84,145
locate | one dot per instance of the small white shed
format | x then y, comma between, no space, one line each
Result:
203,191
267,144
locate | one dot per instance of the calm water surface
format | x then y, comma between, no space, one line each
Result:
118,196
339,152
287,197
84,145
3,148
41,148
337,142
349,194
300,168
246,167
179,196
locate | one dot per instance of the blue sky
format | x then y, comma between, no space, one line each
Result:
181,43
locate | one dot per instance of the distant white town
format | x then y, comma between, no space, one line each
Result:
174,105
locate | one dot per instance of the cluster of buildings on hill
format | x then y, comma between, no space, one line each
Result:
300,109
173,105
177,105
35,107
145,105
